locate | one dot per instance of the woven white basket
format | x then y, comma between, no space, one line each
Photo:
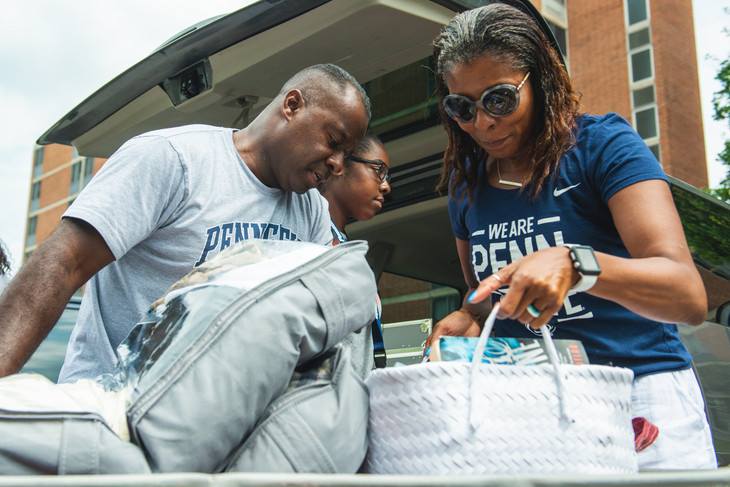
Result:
455,417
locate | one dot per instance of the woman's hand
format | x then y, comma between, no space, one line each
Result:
542,280
458,323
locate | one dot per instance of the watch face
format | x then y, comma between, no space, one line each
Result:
587,263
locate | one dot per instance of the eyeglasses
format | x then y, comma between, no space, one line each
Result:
497,101
380,167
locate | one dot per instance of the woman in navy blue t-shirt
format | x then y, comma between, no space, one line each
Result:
574,215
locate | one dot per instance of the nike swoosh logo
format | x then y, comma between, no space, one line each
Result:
557,192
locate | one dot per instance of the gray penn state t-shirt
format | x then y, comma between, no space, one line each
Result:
165,202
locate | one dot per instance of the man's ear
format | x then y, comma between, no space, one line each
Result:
293,102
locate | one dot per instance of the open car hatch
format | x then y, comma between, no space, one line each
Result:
224,72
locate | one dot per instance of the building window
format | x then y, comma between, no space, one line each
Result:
81,173
639,38
404,100
646,123
556,17
640,52
641,65
75,177
555,9
561,36
637,11
35,196
38,162
655,150
643,96
30,234
88,169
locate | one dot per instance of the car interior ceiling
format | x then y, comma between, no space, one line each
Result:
247,75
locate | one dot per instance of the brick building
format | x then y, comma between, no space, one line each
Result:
638,58
634,57
59,173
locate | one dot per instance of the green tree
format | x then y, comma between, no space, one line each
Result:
720,112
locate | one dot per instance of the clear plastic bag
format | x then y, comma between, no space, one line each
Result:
222,279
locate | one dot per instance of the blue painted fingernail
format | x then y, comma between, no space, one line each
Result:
471,296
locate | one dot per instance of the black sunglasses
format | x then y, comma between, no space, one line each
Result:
381,168
497,101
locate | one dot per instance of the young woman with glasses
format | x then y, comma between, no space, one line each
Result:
568,220
359,194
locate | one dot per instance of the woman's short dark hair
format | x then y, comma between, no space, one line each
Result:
368,141
512,36
4,260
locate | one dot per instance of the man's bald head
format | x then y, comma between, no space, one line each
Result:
323,84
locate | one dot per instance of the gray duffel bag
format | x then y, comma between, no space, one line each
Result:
63,429
207,390
205,367
319,425
64,443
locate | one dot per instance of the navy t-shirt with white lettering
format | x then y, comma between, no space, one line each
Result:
504,225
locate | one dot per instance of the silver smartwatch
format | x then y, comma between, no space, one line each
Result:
585,262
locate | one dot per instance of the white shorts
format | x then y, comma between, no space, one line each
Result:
673,402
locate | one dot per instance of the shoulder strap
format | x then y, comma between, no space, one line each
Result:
337,233
379,354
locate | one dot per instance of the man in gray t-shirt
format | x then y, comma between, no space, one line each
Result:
169,200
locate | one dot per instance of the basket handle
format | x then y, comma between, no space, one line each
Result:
476,360
565,418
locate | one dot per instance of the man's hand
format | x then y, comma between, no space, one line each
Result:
36,297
